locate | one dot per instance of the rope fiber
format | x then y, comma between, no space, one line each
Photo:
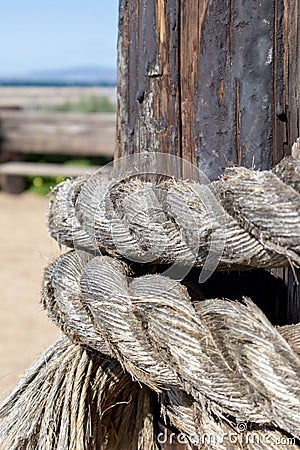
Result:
254,215
141,346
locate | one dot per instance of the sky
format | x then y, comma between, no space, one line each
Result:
37,35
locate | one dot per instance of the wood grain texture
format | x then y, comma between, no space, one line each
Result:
192,19
291,97
148,81
291,105
212,82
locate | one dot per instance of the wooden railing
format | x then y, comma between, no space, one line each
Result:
69,134
57,133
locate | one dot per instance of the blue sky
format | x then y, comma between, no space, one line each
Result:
57,34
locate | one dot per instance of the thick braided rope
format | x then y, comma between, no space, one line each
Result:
54,403
222,353
257,217
214,363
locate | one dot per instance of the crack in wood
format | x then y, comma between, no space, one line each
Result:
221,91
237,127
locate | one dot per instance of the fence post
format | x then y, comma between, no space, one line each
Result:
216,83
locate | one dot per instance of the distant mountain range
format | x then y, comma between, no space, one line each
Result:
81,76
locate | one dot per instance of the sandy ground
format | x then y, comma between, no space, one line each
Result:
25,249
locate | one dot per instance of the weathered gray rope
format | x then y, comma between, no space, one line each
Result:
222,352
75,399
213,363
257,217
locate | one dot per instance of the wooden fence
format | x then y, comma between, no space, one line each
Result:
57,133
70,134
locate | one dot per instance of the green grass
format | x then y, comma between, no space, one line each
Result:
43,185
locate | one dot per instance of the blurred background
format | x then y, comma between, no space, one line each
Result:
57,119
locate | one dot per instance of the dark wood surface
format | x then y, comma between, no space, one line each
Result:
291,100
213,82
216,83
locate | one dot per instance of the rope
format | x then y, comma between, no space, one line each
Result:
75,399
247,218
217,366
219,351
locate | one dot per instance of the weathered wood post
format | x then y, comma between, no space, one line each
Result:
215,83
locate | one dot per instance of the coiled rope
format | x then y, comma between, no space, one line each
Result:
208,360
255,214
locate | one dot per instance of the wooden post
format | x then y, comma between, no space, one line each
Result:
216,83
213,82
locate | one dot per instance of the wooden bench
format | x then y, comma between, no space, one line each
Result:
51,134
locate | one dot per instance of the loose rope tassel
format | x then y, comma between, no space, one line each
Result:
256,215
223,354
32,416
77,399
